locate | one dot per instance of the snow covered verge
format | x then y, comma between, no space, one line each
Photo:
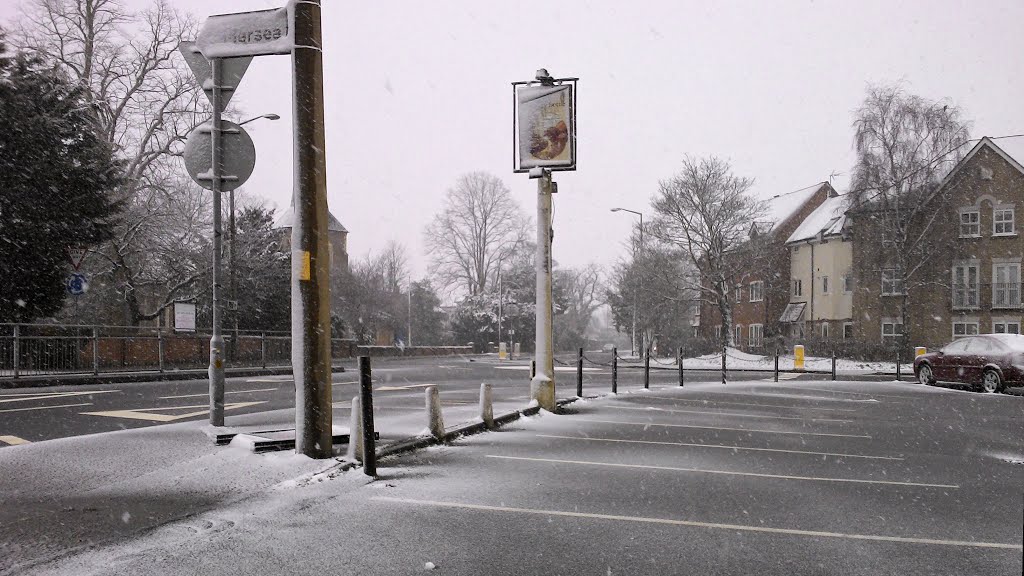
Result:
739,360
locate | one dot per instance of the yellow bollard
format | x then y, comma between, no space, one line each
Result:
920,351
798,357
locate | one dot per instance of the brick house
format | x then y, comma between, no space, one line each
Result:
762,267
973,284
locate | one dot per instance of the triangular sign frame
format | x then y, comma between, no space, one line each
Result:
234,69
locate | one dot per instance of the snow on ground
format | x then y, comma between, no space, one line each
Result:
737,359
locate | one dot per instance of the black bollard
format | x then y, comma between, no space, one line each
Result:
579,373
366,399
647,369
833,365
723,365
776,365
615,370
679,362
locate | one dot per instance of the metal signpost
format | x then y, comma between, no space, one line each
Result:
228,42
544,140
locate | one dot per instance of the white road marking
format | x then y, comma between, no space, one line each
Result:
725,428
844,392
148,413
340,383
405,387
725,472
206,394
13,440
557,368
653,409
696,524
48,395
645,396
46,407
722,446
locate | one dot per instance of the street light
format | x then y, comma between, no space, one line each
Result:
641,278
232,253
267,116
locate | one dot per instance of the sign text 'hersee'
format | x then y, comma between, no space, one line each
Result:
257,33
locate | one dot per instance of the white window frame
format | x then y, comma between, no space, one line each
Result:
894,285
798,287
824,285
718,332
739,292
737,335
847,283
966,295
1004,227
1006,294
824,330
845,326
975,225
968,327
759,284
755,335
1002,325
892,323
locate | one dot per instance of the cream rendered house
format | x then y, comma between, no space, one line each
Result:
821,279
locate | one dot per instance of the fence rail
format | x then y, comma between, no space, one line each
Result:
28,350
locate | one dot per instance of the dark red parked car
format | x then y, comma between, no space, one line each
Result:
987,363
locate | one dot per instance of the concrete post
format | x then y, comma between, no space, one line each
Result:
486,407
542,386
435,420
355,431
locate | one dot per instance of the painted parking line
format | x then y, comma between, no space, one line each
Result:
728,403
736,414
850,393
45,407
151,414
13,440
346,382
726,428
697,524
207,394
48,395
759,394
721,446
726,472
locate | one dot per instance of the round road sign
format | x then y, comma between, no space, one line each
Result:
238,157
77,284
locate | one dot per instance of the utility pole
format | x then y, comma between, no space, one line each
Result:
311,327
216,370
542,387
499,310
410,314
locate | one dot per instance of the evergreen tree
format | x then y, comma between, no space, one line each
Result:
56,176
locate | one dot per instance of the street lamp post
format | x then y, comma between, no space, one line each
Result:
233,253
640,276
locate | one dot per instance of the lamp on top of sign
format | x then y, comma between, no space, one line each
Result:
545,128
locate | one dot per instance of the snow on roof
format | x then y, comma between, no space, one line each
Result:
826,220
285,218
781,207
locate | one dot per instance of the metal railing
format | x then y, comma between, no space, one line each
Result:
42,349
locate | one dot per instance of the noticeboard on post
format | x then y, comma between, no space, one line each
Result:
544,133
184,317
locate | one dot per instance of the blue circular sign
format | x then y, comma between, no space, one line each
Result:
77,284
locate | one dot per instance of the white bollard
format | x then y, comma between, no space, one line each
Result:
486,408
355,431
435,421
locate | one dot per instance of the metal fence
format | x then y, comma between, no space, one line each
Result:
43,349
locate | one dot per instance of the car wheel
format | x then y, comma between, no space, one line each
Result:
990,382
924,375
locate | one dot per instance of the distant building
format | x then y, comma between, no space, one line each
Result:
762,267
821,280
337,236
972,283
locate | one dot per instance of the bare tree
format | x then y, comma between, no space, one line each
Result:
581,293
905,144
479,226
706,211
144,101
393,265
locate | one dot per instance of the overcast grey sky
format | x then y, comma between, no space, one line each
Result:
419,92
